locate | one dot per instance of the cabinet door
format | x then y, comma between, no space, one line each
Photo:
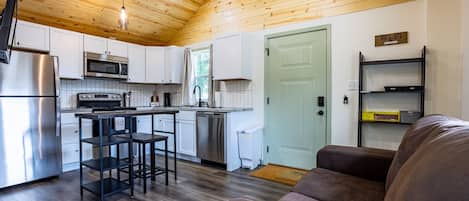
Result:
69,133
87,132
137,68
68,47
32,36
70,153
166,125
227,59
117,48
186,138
155,65
95,44
174,64
144,124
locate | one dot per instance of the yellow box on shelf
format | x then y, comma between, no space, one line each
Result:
381,116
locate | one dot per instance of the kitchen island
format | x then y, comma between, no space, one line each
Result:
108,186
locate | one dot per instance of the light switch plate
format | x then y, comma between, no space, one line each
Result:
353,85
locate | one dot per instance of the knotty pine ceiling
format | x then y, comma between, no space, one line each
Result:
151,22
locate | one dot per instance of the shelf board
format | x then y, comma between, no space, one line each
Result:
111,186
386,92
108,163
106,140
383,122
396,61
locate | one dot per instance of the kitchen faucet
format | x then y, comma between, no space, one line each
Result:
200,94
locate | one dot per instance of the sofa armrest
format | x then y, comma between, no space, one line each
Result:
367,163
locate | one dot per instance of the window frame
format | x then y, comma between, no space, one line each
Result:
195,74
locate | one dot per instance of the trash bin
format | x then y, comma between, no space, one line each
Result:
250,147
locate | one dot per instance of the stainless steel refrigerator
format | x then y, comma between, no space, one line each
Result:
30,144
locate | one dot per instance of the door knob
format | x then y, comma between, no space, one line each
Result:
321,113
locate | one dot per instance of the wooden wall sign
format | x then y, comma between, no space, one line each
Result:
391,39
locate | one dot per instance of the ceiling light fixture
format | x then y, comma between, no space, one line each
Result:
123,21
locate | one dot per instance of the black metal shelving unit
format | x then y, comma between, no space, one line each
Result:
106,186
370,64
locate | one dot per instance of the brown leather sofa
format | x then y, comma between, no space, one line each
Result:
431,164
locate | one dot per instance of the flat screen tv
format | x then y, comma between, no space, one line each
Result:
6,21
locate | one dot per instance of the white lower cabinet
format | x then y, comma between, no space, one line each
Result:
186,138
71,141
185,132
144,124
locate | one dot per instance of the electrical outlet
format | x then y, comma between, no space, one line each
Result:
353,85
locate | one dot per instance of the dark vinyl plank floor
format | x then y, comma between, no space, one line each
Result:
195,183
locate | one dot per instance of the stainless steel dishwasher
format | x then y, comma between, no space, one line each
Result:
211,138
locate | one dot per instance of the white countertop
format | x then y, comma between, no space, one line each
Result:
181,108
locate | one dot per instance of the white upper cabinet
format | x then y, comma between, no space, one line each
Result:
232,57
105,46
137,64
68,47
174,64
32,36
117,48
155,58
164,65
95,44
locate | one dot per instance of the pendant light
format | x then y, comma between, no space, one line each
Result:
123,21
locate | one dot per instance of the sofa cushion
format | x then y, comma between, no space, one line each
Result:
296,197
327,185
439,168
423,129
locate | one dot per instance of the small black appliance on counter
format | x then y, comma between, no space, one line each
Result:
167,100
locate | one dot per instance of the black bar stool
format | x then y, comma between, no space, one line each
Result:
144,172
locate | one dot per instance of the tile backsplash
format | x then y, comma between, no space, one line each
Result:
141,94
234,93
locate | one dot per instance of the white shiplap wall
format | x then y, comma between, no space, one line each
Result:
141,94
236,93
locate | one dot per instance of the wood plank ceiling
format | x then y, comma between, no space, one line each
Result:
182,22
151,22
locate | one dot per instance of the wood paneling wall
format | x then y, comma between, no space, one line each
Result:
221,16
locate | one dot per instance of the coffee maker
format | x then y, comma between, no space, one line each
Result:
167,100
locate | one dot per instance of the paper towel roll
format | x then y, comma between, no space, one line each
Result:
218,99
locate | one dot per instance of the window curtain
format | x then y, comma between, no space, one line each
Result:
211,98
188,79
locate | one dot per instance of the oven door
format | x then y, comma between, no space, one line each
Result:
97,65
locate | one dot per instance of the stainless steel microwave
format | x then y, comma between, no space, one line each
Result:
106,66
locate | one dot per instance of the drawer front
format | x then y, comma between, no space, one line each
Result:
68,118
186,115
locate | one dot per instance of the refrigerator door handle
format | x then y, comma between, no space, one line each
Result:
56,62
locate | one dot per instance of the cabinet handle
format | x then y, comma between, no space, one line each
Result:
75,131
18,43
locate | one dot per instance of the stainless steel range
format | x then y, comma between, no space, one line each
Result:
104,102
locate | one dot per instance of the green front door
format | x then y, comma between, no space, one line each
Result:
295,79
